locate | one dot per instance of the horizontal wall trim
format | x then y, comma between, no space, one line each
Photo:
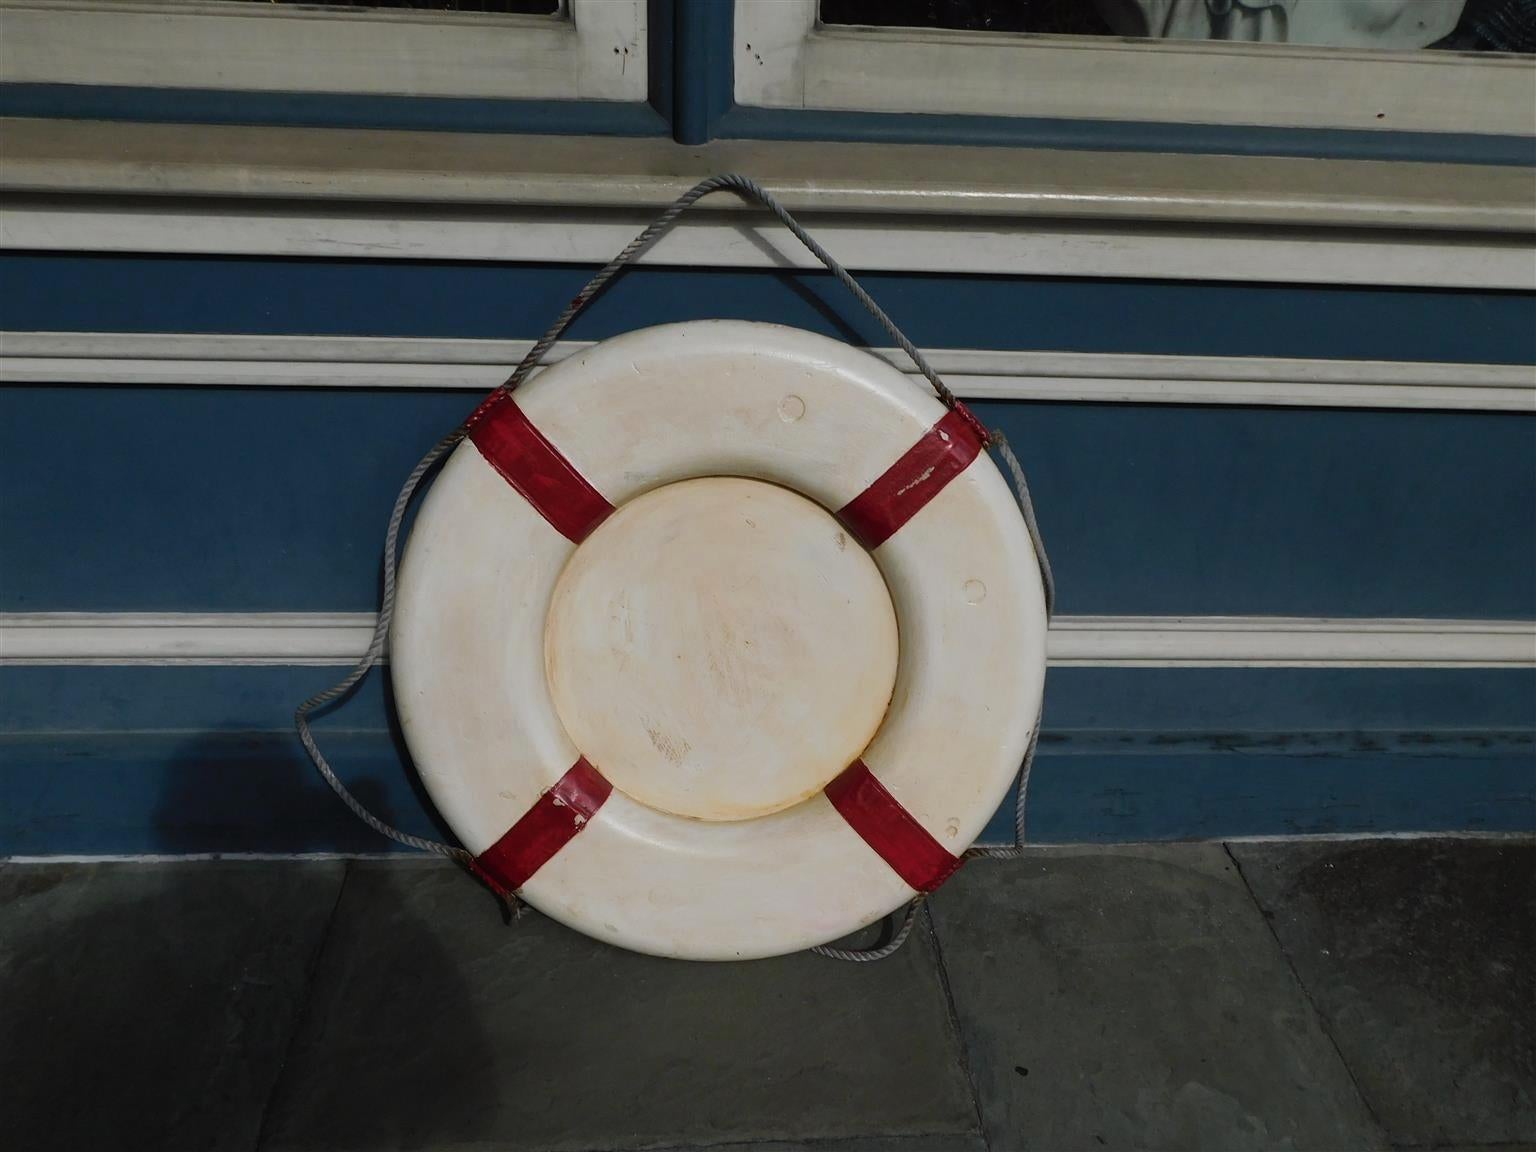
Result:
731,238
81,157
1181,141
292,191
271,638
1296,642
478,365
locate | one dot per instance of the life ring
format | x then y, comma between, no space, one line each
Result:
718,640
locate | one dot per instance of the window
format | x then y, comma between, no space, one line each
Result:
493,49
1453,25
1452,66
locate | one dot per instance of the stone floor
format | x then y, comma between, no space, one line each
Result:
1332,995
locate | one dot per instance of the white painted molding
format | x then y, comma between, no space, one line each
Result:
168,638
478,365
597,52
1291,642
416,171
270,638
355,193
785,59
730,238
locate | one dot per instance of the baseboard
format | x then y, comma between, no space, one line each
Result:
201,793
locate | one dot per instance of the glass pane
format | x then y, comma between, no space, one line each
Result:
518,7
1460,25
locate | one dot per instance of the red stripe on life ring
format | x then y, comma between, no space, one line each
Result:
890,829
945,451
552,823
530,463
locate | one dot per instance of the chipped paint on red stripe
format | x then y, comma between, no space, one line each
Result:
890,829
530,463
553,821
945,451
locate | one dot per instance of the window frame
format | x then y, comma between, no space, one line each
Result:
591,50
786,59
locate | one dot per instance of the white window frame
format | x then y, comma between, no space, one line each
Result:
785,58
592,50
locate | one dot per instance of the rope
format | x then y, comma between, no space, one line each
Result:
749,189
1027,509
864,955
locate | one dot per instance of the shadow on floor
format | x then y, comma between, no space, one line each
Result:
391,1051
152,1007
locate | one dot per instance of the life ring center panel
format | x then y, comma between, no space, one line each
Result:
721,648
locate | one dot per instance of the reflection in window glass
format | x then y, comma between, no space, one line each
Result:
1461,25
1063,17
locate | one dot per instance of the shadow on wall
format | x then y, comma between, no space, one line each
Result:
258,792
154,1006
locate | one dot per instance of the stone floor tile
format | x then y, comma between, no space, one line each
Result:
1135,998
1421,956
148,1006
434,1025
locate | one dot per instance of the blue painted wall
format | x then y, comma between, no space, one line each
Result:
201,759
1148,509
275,500
62,292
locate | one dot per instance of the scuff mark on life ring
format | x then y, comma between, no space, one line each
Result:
923,477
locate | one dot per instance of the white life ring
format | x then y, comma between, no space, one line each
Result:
660,690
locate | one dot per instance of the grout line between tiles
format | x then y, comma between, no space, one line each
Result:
301,1016
1322,1019
954,1019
